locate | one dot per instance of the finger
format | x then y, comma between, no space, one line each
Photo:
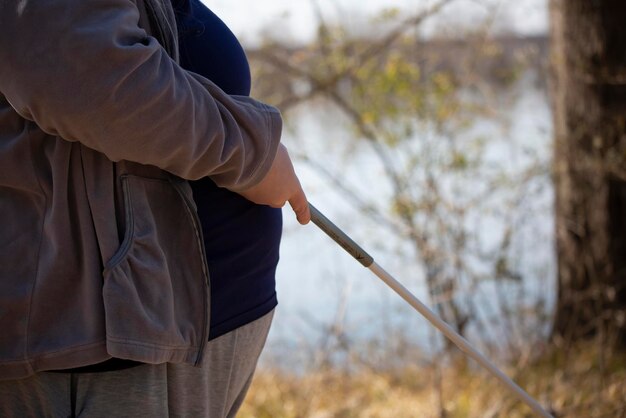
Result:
300,206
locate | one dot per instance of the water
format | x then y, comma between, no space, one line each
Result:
299,21
321,286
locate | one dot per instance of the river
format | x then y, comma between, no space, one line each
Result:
321,288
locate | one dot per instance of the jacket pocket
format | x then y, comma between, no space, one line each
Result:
156,286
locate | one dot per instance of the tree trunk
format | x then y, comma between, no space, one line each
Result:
589,104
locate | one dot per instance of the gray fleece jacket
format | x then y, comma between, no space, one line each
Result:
100,247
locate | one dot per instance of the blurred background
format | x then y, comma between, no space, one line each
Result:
476,149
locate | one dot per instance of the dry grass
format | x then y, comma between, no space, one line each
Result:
572,385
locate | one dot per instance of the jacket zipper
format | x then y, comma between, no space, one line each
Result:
205,268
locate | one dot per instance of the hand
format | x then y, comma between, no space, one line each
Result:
279,186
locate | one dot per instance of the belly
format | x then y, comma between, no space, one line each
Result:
241,238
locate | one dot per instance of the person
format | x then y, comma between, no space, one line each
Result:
124,289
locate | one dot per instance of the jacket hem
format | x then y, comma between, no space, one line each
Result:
152,354
89,354
65,359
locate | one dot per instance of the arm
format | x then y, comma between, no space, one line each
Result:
85,71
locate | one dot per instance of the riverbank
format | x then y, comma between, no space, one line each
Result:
580,383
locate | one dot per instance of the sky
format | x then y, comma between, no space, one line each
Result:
297,18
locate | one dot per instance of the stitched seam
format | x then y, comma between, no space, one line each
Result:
150,345
195,223
39,246
73,393
73,349
230,371
129,229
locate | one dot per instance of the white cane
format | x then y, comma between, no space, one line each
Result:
366,260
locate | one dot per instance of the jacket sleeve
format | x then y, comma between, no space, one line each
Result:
84,70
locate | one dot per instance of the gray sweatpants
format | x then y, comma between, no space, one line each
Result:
215,390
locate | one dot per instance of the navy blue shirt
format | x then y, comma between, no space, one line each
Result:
241,238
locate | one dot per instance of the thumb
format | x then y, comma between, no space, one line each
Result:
300,206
